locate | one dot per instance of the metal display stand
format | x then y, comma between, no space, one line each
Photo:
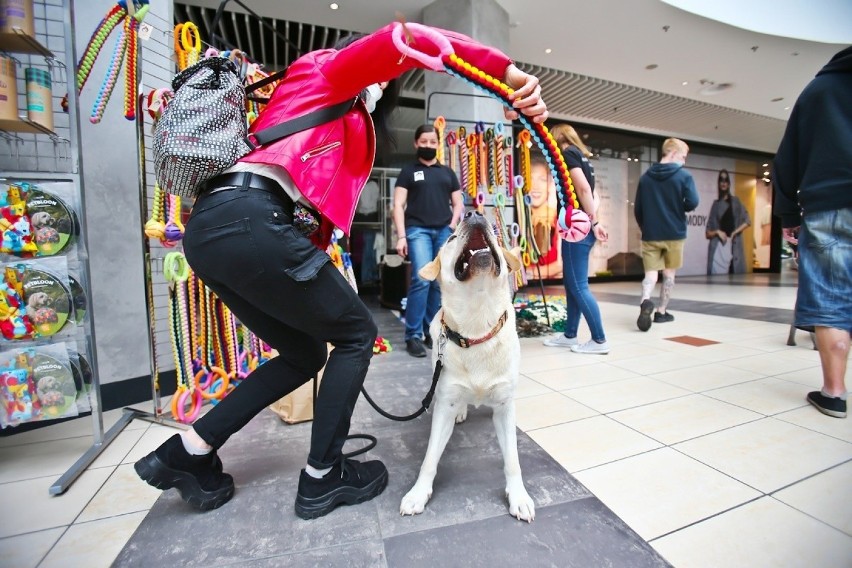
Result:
39,154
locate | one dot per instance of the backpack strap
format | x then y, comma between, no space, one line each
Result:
261,84
321,116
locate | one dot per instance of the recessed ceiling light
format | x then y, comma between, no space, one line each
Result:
548,50
776,99
651,67
766,165
334,6
786,108
766,173
685,83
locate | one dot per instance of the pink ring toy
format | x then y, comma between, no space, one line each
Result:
433,62
580,226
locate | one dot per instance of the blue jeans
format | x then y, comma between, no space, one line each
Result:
424,297
825,270
575,277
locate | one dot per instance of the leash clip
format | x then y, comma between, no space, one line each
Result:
442,342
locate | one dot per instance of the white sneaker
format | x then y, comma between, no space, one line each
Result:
559,340
592,346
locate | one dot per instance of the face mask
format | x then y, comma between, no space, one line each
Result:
427,154
371,96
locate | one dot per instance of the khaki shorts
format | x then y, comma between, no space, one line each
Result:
658,255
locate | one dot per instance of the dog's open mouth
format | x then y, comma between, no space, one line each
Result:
478,254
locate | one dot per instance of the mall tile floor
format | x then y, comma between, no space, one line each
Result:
710,454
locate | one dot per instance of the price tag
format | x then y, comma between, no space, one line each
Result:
145,30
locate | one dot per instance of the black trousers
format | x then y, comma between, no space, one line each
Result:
242,245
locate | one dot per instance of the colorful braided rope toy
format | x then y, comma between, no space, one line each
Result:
127,45
573,223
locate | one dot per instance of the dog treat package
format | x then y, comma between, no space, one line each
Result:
35,299
36,383
53,221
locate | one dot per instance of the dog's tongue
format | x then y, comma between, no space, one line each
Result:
481,259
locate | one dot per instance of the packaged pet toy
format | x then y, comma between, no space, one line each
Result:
14,322
15,226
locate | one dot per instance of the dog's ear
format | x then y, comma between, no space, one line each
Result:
513,258
431,270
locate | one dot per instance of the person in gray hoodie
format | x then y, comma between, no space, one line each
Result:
813,197
666,193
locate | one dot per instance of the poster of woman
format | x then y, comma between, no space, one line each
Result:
543,210
727,220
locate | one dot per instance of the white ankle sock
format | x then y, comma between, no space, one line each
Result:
192,449
316,473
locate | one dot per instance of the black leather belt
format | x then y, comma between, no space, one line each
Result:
240,180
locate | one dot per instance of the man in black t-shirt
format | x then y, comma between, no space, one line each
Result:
424,218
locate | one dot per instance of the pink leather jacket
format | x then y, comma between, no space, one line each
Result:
331,163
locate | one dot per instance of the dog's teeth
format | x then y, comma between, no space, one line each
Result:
477,251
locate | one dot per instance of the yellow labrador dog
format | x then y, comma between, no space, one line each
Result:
480,352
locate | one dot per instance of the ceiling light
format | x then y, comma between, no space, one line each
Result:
685,83
548,50
334,6
766,173
786,108
766,165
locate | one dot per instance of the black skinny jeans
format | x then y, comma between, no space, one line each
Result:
242,245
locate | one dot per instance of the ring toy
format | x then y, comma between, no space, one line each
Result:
219,372
578,229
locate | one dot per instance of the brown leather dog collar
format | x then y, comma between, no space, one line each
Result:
461,341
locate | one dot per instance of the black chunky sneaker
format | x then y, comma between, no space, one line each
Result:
348,483
199,479
645,311
663,318
828,405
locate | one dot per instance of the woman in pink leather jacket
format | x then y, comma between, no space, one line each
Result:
257,236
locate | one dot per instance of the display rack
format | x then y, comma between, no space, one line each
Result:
38,154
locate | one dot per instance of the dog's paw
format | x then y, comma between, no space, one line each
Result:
521,505
462,414
414,501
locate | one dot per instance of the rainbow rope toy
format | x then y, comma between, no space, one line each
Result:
573,223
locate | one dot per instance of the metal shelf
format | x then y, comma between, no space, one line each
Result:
19,42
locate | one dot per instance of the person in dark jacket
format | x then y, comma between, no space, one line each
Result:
666,193
813,197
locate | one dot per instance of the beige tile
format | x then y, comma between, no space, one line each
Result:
658,363
75,548
590,442
548,410
706,377
41,459
622,351
768,396
628,393
585,376
761,533
122,493
810,377
529,387
77,428
118,449
663,490
561,359
150,441
769,364
825,496
27,550
36,510
723,351
768,454
812,419
679,419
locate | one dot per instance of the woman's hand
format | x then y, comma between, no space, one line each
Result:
722,236
527,96
600,233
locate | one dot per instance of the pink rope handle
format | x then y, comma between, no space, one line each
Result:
433,62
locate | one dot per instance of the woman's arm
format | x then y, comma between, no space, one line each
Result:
584,191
